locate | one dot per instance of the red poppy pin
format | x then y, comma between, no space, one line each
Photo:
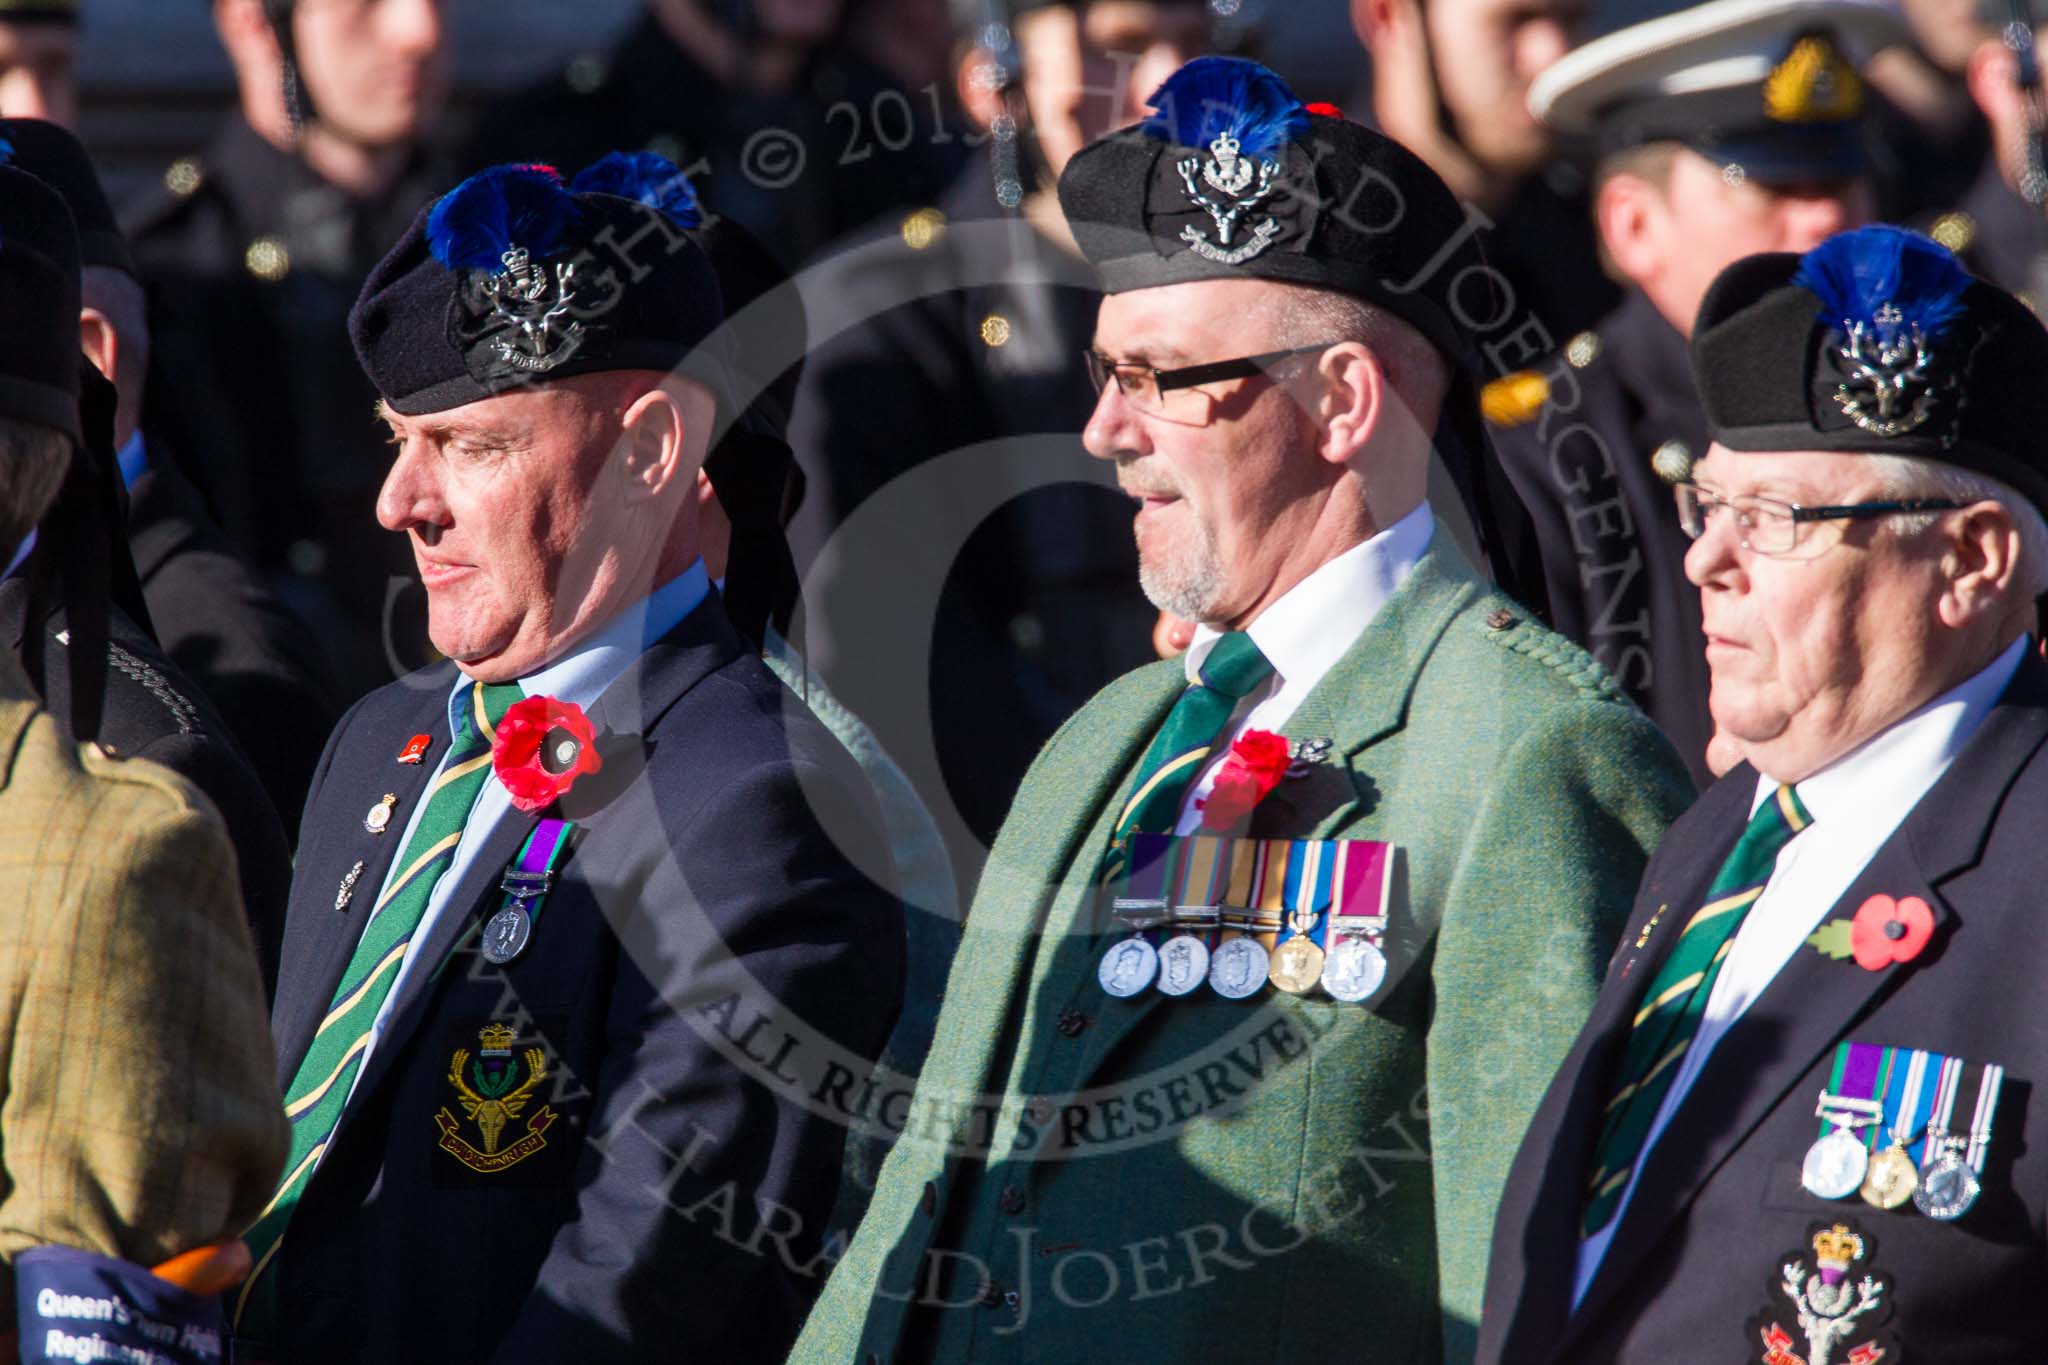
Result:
1883,931
542,747
1257,762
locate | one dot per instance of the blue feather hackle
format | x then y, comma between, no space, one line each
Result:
1214,95
1854,274
6,152
652,179
474,224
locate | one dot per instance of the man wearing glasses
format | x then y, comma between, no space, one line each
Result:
1400,935
1797,1122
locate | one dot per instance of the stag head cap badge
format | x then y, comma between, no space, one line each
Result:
1887,297
1243,116
497,231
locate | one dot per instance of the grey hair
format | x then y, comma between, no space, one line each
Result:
1907,477
1419,371
33,459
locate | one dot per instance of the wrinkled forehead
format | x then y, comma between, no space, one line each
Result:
1809,477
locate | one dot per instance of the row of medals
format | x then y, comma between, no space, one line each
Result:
1839,1165
1351,971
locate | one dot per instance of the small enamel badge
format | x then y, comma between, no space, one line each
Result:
1306,755
348,886
379,817
1834,1310
415,749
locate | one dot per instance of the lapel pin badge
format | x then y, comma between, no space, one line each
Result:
379,817
415,749
1883,931
348,886
1306,754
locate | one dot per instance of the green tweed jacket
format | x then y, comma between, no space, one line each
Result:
138,1114
1274,1179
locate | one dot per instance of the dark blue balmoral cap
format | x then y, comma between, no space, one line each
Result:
513,278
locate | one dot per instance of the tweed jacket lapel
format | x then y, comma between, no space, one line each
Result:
1363,698
1814,1001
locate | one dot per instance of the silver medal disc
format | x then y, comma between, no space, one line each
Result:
1353,970
1238,968
1183,964
505,935
1835,1166
1948,1187
1128,967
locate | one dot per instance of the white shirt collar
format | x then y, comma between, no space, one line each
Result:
1907,758
1317,619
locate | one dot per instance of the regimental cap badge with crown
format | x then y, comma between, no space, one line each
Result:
1242,116
498,231
1889,295
1813,84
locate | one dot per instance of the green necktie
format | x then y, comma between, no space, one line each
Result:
1670,1012
320,1088
1232,669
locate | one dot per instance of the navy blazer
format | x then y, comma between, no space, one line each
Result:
678,1166
1694,1270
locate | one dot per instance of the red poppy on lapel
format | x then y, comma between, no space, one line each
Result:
1257,762
542,747
1887,931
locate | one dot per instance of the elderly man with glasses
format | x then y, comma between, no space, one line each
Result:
1796,1122
1281,940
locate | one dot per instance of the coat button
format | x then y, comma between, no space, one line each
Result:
1071,1022
1501,619
930,1201
1011,1200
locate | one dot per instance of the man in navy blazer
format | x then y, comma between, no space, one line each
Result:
587,921
1803,1123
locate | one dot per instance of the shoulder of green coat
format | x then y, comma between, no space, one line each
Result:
1506,625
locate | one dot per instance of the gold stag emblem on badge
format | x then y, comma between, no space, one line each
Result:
491,1094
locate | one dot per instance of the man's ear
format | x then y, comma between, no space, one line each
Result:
1992,81
1983,563
1353,391
1627,211
242,22
99,341
651,445
975,80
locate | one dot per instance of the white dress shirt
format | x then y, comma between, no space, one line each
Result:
1856,803
1304,634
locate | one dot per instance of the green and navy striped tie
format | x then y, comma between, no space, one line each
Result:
1670,1013
321,1086
1232,669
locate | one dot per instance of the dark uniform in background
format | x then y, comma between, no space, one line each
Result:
1743,1235
1593,437
798,168
951,344
208,607
252,261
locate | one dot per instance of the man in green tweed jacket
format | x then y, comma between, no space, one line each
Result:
1100,1164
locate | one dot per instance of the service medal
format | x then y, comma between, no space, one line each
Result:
1183,964
1948,1188
1891,1179
1238,968
1835,1166
1353,970
1297,965
1127,967
506,934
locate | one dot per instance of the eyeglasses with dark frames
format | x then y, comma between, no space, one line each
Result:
1152,390
1770,526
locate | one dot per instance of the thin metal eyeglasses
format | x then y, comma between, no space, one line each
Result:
1768,526
1152,390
